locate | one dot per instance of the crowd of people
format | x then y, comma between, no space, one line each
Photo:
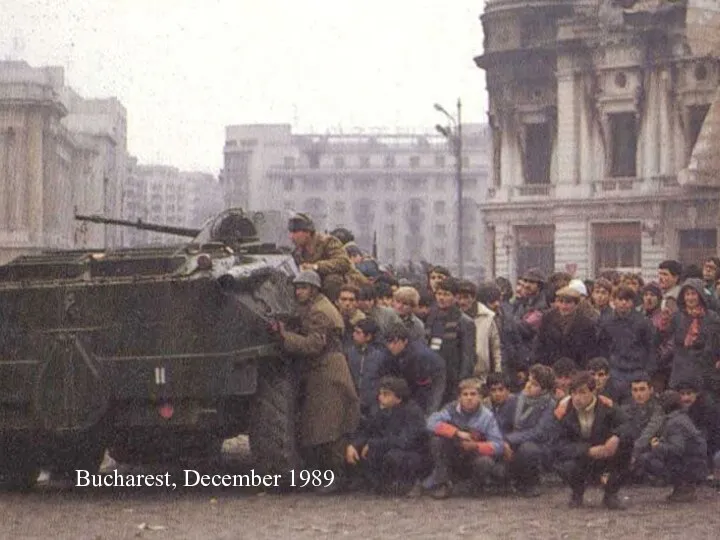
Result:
447,385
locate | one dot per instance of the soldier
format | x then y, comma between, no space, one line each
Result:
323,254
330,408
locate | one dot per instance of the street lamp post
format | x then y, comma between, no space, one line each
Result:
454,136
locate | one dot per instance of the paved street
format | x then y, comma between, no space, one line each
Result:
54,511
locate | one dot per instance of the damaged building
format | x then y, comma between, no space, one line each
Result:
605,117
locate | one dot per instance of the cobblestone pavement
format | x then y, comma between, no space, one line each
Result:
53,510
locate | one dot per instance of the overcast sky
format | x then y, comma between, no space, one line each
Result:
184,69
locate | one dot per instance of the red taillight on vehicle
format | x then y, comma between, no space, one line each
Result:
166,411
204,262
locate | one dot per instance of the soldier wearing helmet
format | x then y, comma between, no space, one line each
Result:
330,407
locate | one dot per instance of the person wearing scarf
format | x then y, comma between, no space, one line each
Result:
695,334
525,448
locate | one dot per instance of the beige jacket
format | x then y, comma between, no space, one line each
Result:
487,342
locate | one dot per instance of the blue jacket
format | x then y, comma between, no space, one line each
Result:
531,423
481,424
504,413
419,366
401,427
365,366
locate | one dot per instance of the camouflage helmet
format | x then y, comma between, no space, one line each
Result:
307,277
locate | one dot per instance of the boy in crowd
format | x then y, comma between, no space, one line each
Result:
365,358
602,292
644,419
679,452
564,370
451,334
617,391
422,368
532,421
466,442
424,304
348,307
385,317
501,400
592,440
705,414
390,447
487,336
627,339
405,300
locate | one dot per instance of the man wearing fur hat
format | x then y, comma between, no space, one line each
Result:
324,254
330,408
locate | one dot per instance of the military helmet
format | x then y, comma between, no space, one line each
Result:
307,277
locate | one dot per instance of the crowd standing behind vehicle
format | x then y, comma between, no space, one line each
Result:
612,380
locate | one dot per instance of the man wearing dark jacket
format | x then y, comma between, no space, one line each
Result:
391,445
592,440
644,417
422,368
531,425
705,414
627,339
365,357
451,334
679,452
528,312
566,332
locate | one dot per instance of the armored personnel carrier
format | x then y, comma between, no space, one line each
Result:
156,353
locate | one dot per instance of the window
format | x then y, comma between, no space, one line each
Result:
535,248
696,117
389,231
623,144
289,162
617,245
439,160
538,153
314,160
440,231
339,183
465,162
439,182
340,208
339,162
389,254
470,182
439,254
390,207
389,161
696,245
389,184
288,183
414,162
439,208
364,162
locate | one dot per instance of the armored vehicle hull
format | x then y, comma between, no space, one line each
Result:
156,354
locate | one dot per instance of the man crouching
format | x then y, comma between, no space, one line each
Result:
465,444
592,442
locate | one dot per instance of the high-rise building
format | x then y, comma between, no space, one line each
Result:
397,187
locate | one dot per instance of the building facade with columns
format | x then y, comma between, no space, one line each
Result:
57,156
595,109
397,187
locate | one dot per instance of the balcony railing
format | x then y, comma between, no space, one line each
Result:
534,190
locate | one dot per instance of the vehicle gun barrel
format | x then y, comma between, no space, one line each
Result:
141,225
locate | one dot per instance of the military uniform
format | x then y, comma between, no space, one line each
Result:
330,408
332,263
